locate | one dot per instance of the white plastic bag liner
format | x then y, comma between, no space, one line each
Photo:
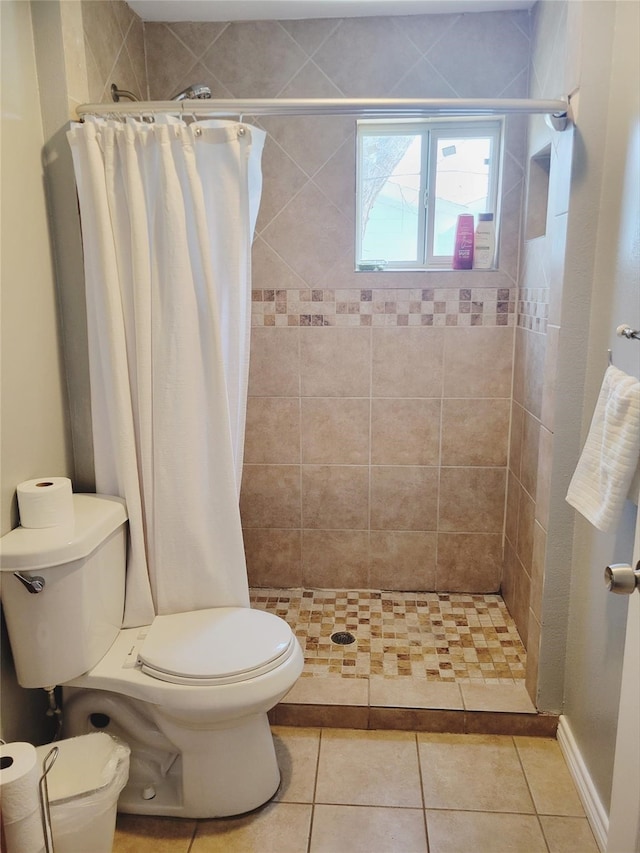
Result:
84,785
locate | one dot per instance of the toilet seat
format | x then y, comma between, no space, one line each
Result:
220,645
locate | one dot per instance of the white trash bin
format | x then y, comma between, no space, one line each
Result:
84,784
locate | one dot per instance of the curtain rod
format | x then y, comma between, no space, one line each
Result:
557,110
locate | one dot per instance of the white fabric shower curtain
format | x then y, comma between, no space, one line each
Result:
168,212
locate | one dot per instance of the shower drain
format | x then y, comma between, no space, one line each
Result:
343,638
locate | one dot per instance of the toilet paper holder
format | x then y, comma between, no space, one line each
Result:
43,789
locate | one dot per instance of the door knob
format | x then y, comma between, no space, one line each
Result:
621,578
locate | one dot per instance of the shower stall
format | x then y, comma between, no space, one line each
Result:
398,423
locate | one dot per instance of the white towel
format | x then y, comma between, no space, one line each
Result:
609,458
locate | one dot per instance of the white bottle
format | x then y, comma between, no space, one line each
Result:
485,242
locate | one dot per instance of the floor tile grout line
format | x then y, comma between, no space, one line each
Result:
315,789
530,790
424,802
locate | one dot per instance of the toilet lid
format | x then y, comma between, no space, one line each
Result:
220,645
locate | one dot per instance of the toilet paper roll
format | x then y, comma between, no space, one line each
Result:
19,776
45,502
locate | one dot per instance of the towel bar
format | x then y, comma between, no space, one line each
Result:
627,332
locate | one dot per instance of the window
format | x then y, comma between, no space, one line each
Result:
414,179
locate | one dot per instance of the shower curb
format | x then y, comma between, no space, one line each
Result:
415,719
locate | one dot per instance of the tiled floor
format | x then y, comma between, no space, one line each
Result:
393,792
443,637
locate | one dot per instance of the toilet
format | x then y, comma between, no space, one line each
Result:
188,693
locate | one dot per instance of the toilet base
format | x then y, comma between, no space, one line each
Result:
217,771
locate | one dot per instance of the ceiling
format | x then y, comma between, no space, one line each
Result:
260,10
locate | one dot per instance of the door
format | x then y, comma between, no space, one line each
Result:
624,817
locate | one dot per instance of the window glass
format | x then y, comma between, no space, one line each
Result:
390,197
414,180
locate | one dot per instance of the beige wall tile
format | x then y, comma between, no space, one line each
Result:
407,362
453,831
461,68
510,570
405,432
472,500
254,59
274,557
368,769
516,591
469,562
272,430
402,559
476,772
335,430
310,140
519,366
270,496
534,372
335,559
281,180
350,56
537,568
364,830
548,405
475,432
530,445
533,656
526,517
321,233
166,54
515,439
477,362
274,366
270,272
335,362
512,507
404,498
335,497
543,479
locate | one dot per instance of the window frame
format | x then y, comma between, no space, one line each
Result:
431,130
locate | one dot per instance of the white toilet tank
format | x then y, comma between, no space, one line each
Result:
66,628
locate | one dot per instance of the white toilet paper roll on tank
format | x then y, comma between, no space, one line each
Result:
19,776
45,502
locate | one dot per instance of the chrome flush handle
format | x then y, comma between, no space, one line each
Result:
34,584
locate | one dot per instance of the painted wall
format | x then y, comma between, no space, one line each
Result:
48,66
35,424
378,413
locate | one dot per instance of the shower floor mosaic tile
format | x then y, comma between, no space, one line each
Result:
448,637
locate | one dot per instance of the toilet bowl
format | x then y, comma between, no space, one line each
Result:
188,693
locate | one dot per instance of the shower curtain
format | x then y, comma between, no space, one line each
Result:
168,212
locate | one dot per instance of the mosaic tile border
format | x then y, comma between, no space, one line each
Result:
533,308
445,637
475,306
